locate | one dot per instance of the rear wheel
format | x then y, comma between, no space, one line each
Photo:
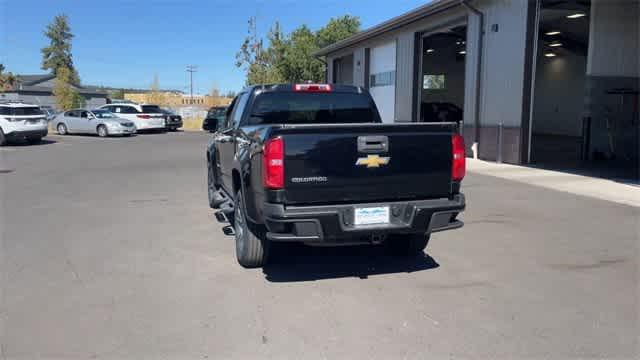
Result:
102,131
252,247
407,244
3,139
62,129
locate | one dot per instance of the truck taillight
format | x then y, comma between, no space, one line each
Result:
458,166
273,164
312,87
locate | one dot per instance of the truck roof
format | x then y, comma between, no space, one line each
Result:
292,87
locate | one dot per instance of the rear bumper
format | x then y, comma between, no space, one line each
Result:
150,126
122,131
173,124
26,134
334,223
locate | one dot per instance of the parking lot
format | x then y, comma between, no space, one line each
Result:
109,250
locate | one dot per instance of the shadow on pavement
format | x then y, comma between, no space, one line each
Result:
24,143
293,263
615,171
95,136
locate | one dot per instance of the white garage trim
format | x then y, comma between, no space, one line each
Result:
382,79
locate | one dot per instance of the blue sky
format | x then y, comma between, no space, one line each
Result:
124,43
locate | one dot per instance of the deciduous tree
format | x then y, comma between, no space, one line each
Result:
67,97
337,29
215,92
116,94
259,62
155,96
288,58
7,80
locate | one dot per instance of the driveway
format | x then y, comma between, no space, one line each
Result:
109,251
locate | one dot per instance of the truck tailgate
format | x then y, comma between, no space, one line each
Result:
352,163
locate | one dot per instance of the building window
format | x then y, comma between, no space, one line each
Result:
434,82
382,79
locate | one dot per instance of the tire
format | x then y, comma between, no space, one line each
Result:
252,247
407,244
3,139
62,129
102,131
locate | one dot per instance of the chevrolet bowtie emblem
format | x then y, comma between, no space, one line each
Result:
373,161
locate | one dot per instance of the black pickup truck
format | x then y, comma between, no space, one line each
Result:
313,163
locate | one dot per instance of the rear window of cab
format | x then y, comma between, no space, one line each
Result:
151,109
313,108
20,111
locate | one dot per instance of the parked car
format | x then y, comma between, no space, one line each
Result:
146,117
99,121
20,121
48,111
440,112
214,117
172,120
314,164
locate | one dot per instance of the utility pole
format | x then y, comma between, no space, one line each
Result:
191,69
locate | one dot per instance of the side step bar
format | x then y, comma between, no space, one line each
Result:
219,197
226,208
228,230
221,217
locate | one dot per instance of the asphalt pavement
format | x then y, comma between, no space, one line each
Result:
109,251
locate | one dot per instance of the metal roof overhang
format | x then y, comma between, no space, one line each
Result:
390,25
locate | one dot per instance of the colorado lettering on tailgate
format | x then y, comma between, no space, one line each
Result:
309,179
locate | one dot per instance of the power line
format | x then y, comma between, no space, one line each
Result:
191,69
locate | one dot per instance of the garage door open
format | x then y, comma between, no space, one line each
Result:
584,109
442,80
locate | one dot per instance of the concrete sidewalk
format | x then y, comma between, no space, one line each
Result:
604,189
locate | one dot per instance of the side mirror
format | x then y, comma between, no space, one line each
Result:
210,124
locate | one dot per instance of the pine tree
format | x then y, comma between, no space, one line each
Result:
58,54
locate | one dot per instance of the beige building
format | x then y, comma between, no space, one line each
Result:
176,99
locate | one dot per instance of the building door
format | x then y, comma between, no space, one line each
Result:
382,79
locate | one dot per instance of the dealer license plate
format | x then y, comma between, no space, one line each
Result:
371,215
